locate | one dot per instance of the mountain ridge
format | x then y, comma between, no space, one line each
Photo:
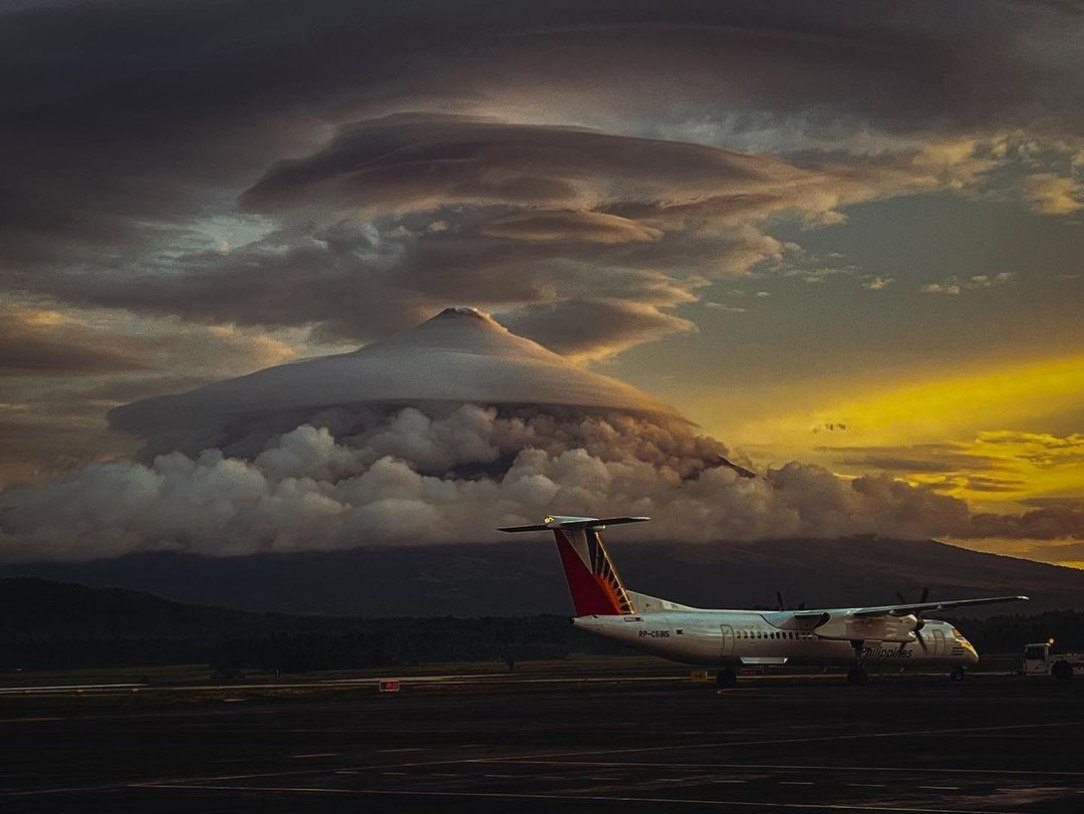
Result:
523,577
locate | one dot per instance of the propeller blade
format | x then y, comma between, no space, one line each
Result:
921,641
925,595
779,596
901,598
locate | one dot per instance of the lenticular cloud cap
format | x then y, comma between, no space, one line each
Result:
462,355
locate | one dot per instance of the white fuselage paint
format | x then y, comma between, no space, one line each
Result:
736,638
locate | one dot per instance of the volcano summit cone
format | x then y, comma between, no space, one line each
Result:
461,355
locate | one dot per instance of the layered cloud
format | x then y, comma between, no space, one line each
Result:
399,159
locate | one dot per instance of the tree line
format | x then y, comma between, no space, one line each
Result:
288,644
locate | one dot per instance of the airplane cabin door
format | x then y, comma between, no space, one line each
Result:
728,640
938,643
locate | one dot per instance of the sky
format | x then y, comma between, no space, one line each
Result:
848,234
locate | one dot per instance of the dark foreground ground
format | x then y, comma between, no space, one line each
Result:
899,744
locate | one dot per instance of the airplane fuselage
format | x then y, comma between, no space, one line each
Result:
741,638
730,639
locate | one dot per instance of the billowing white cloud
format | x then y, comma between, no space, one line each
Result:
418,476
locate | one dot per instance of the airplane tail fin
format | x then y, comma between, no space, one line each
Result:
593,582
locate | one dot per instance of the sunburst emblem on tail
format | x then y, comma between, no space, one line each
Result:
593,582
602,569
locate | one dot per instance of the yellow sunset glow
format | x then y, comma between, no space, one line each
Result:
985,428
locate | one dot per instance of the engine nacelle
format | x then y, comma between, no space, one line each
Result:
886,628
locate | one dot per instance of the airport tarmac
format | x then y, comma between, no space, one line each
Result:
898,744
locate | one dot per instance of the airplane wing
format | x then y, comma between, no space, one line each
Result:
922,607
888,623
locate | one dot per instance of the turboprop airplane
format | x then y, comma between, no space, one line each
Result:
736,639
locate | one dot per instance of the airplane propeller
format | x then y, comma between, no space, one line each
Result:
918,615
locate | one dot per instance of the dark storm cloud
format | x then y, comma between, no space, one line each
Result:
453,220
1060,521
127,125
26,350
413,162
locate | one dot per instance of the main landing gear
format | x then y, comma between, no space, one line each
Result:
957,674
726,678
857,674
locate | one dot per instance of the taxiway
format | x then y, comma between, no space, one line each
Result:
899,744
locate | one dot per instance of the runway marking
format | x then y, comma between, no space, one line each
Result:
316,754
31,720
775,741
799,783
592,797
405,749
786,767
867,785
941,788
67,790
552,758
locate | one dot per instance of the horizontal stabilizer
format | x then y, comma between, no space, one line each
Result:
559,522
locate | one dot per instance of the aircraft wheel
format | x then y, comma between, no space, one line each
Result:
856,675
726,678
1062,670
957,674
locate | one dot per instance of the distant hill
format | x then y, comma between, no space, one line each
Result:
54,611
523,577
51,625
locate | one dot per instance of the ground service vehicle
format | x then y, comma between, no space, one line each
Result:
734,640
1040,661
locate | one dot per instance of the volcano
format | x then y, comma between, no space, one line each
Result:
462,355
